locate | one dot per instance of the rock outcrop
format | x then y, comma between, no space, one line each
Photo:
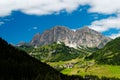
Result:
84,37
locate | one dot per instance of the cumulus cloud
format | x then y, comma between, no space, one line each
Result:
106,24
105,6
44,7
39,7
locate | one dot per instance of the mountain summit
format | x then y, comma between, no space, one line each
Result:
84,37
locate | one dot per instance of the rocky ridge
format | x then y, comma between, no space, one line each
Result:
84,37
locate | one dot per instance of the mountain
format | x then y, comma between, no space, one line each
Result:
22,43
18,65
36,40
84,37
110,54
90,38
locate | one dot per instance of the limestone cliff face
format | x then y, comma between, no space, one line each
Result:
36,40
87,37
84,37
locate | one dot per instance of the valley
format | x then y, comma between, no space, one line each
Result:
83,69
69,64
81,60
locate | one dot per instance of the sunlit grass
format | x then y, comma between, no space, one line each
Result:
95,69
99,70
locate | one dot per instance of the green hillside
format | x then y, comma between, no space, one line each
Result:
26,48
110,54
56,52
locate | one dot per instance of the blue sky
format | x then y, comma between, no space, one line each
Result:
20,19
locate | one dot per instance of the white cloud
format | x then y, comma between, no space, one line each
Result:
32,28
106,24
1,23
45,7
38,7
105,6
35,28
113,36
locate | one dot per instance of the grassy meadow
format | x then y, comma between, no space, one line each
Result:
82,68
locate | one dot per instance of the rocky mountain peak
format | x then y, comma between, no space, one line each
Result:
36,40
88,30
84,37
85,28
60,27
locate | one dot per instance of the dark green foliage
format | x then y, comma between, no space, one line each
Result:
18,65
55,52
110,54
